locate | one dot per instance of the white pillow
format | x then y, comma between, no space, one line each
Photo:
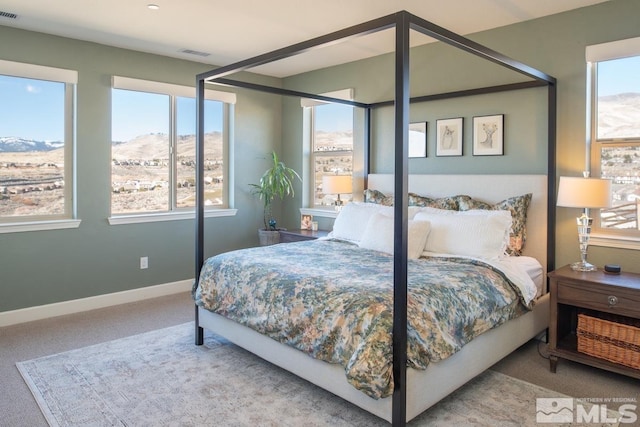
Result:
479,234
353,219
378,235
437,211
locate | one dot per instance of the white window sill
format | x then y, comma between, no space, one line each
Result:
319,212
20,227
168,216
620,242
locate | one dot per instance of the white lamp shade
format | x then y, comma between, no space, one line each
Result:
576,192
336,184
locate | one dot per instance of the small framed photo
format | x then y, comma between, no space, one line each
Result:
488,135
306,222
449,137
418,139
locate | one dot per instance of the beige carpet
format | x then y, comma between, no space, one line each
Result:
162,378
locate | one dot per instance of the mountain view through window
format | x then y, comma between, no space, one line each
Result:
618,138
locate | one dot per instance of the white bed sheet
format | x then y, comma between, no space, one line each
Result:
525,272
533,269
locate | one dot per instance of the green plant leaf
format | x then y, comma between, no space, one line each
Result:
277,181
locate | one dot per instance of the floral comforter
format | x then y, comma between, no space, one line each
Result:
334,301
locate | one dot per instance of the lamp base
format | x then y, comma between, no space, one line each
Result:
583,266
338,204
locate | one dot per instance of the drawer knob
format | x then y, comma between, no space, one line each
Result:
612,300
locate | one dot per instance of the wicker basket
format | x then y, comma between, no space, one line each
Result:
616,339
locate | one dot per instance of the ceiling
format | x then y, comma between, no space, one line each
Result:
230,31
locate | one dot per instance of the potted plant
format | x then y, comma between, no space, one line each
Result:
277,181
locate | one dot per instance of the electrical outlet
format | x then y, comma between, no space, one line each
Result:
144,262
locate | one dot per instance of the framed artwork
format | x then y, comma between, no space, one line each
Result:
488,135
418,139
449,137
306,222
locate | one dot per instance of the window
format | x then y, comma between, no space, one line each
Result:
332,148
36,144
615,131
153,147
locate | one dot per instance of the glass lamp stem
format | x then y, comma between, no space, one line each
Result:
584,232
338,204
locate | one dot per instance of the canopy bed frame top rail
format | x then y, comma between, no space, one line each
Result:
403,23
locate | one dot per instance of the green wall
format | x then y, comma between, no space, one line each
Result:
554,45
44,267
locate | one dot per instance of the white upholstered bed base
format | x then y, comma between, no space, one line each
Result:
424,387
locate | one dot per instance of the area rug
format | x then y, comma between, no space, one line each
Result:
161,378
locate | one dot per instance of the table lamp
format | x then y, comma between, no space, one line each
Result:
337,184
585,193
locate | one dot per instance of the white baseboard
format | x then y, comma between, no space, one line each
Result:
85,304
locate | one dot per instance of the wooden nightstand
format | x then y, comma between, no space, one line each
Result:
592,293
288,236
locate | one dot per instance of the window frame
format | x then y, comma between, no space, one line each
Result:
68,219
174,91
619,238
309,139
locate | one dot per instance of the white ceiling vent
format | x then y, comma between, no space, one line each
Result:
8,15
194,52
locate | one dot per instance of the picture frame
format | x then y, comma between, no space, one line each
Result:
449,134
306,222
418,140
488,135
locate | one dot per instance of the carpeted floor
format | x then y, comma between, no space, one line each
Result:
51,336
161,378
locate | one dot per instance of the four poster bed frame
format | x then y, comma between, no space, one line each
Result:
409,397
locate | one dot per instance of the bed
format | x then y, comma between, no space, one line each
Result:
413,390
448,374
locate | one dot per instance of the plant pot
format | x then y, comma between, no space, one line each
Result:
268,237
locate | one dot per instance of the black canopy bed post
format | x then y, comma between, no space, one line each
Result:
399,412
367,145
199,255
551,175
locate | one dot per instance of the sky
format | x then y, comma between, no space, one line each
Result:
334,117
36,111
619,76
33,109
139,113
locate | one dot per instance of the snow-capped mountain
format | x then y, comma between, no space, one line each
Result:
16,144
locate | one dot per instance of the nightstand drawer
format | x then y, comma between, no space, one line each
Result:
610,299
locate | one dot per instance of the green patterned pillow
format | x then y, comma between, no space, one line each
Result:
466,203
448,203
377,197
518,207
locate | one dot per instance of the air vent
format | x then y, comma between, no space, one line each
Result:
194,52
8,15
